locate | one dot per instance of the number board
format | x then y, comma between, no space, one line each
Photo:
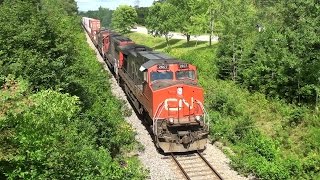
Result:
184,66
163,66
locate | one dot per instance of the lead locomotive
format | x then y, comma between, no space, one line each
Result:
164,90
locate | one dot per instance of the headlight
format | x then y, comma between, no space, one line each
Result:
179,91
198,118
171,120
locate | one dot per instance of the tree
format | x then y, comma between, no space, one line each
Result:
198,25
213,14
184,12
37,42
197,16
44,138
285,62
124,18
203,16
104,14
142,15
236,40
162,19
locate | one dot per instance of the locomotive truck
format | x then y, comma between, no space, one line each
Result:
164,90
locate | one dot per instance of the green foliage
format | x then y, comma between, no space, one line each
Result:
184,12
123,18
280,60
49,141
204,15
35,45
142,13
193,17
162,19
236,38
73,130
91,85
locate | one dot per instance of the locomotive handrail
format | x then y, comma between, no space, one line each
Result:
154,119
205,114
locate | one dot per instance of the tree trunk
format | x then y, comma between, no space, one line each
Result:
211,26
234,65
167,39
317,100
317,96
188,38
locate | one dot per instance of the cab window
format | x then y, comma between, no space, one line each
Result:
188,74
161,75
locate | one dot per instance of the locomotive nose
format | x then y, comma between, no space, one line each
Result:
183,126
181,104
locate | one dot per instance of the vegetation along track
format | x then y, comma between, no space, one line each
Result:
195,167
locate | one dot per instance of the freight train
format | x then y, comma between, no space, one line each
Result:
164,90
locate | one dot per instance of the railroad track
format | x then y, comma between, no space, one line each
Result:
195,167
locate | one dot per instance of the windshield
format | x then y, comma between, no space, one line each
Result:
161,75
189,74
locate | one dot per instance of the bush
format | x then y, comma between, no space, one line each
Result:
49,141
60,121
296,117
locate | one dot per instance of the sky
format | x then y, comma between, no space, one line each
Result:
85,5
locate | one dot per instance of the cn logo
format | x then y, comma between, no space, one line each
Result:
181,102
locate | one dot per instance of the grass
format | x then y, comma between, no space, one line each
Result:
271,139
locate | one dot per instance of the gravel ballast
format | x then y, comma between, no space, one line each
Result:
161,166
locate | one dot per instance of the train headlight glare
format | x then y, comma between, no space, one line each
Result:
171,120
179,91
198,118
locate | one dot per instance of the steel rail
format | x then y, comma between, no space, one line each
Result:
209,165
180,167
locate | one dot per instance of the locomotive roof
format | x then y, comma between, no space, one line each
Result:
133,49
114,34
149,57
157,58
120,38
154,55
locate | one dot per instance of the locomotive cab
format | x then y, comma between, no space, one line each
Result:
166,93
178,115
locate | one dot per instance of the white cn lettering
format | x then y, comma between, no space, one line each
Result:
180,104
187,104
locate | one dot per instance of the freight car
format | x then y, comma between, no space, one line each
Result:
164,91
92,26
